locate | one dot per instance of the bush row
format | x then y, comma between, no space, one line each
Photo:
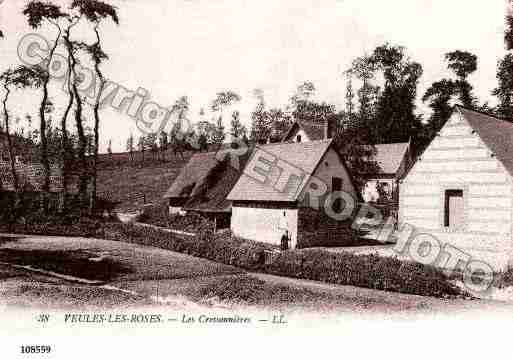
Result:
191,222
224,249
84,228
370,271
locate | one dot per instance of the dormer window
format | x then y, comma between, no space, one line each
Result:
298,138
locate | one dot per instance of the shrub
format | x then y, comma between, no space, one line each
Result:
191,222
26,207
84,228
370,271
157,215
54,223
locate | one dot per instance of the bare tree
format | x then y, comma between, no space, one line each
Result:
95,12
37,13
65,146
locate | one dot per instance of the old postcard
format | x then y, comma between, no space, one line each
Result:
186,178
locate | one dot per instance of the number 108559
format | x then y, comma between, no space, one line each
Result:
36,349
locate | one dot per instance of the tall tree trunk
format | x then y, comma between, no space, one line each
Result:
65,139
82,139
44,148
9,141
96,110
42,128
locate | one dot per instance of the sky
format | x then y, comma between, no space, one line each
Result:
197,48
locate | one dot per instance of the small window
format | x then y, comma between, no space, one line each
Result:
336,186
298,138
454,209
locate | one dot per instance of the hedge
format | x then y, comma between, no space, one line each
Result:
370,271
191,222
79,229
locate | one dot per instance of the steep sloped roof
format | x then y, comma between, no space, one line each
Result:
389,157
211,195
192,175
314,130
304,156
496,134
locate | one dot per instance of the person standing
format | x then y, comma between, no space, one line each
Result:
284,227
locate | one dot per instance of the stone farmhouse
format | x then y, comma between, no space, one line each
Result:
274,193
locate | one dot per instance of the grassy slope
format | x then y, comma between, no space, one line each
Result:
125,181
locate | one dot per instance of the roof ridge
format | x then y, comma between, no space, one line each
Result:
295,143
484,113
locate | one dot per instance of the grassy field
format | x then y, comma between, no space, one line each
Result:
119,261
144,276
125,181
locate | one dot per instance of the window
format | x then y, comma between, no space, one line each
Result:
454,208
336,186
298,138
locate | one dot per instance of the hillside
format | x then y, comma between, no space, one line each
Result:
133,180
133,183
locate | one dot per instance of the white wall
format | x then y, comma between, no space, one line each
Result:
262,224
458,159
292,136
330,166
304,136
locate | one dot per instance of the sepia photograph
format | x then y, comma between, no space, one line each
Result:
246,178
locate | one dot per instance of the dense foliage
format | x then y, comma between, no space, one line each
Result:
191,222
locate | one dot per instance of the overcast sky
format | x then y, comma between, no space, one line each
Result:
199,47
